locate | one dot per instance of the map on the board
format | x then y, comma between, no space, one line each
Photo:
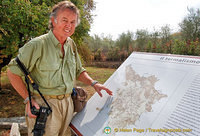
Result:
136,96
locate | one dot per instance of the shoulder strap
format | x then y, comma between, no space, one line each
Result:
26,73
28,80
73,48
72,45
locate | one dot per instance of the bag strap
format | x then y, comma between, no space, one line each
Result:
72,46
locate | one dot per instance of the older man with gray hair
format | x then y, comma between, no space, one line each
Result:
54,64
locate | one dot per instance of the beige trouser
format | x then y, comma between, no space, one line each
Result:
58,120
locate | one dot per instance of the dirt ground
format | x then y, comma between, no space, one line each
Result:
11,104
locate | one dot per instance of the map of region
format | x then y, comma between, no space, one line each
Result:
135,97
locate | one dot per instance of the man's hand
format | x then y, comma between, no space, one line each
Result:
85,78
28,110
98,87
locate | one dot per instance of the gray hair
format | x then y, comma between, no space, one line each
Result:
62,6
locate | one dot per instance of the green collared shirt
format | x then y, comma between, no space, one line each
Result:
54,73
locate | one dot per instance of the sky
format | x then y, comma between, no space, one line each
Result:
113,17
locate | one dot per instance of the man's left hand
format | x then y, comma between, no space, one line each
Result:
98,87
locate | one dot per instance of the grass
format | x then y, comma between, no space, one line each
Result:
101,74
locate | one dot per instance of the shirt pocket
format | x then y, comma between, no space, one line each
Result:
50,75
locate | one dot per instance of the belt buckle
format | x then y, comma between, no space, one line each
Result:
60,97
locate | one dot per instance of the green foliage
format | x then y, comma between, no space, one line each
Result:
190,25
20,21
98,55
178,47
149,47
125,40
165,34
142,37
95,42
84,49
114,54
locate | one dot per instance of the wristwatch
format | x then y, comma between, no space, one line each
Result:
26,100
94,82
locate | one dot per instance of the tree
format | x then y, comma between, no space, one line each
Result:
125,40
165,34
113,54
94,42
154,39
190,26
166,37
142,37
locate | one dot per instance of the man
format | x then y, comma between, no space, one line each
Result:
54,64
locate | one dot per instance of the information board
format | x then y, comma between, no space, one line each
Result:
153,94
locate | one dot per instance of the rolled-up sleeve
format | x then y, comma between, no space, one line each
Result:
14,68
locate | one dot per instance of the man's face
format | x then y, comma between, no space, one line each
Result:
65,22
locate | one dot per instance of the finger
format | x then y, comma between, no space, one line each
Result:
100,94
36,105
31,116
108,91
